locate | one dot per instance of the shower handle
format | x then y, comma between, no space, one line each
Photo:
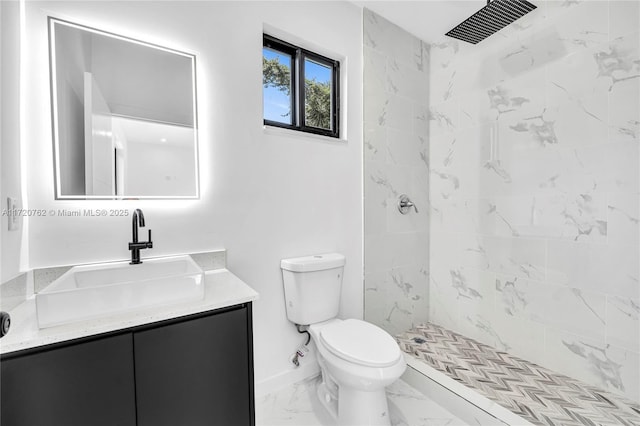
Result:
405,204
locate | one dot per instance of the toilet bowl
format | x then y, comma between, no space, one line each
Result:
357,359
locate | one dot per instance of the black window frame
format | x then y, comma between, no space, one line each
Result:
298,57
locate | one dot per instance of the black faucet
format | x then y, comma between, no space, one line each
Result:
135,246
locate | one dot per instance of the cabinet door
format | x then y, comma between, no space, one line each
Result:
89,383
196,372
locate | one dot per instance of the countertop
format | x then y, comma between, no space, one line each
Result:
222,289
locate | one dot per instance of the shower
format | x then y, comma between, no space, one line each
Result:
525,251
496,15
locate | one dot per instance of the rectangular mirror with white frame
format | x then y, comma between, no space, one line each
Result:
124,116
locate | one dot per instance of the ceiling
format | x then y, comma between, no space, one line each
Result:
428,20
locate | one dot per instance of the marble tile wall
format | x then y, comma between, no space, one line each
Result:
396,251
534,188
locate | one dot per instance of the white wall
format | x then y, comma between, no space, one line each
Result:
264,195
1,136
11,242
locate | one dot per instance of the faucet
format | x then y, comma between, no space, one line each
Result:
135,246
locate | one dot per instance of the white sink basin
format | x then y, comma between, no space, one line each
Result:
92,291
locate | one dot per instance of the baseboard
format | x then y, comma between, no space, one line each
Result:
278,381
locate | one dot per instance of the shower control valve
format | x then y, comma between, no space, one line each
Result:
405,204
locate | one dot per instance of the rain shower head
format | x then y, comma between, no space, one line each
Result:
496,15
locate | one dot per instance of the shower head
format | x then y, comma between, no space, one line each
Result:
496,15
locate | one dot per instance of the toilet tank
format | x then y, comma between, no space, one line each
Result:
312,287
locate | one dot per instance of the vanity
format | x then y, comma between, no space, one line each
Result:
158,342
187,363
150,342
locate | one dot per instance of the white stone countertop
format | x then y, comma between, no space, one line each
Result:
222,289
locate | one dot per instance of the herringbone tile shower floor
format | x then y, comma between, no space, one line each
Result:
533,392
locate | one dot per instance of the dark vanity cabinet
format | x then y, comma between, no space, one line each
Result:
188,371
195,370
89,383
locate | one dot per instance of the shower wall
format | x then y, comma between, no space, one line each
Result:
534,183
396,149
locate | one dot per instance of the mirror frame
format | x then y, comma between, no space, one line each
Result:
51,22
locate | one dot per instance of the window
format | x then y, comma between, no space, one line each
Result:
300,89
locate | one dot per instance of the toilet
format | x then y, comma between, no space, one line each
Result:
357,359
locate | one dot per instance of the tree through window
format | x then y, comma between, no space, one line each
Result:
300,88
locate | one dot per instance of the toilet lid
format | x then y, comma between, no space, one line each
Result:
361,343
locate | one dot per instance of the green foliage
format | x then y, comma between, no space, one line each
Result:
275,74
317,105
317,94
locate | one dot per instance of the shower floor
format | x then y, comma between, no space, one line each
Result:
534,393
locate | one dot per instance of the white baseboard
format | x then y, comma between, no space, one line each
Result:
308,369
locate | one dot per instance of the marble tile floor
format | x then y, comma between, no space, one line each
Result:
298,405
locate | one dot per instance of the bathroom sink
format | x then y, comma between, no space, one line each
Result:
91,291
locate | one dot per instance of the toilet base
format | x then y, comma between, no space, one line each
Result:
362,408
327,391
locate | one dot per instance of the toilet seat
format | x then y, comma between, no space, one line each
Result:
361,343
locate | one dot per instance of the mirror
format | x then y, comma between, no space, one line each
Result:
124,116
